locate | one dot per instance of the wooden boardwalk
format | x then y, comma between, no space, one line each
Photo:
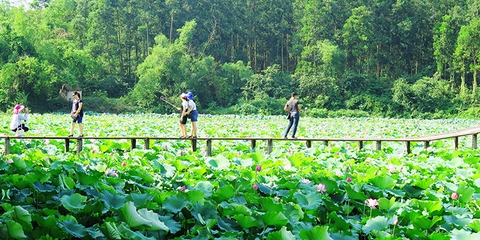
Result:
472,131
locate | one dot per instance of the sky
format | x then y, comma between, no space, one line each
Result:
20,2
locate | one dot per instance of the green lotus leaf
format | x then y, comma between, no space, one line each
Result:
15,230
132,217
224,193
424,183
310,201
219,162
86,178
294,212
264,189
73,203
377,223
139,198
430,206
269,205
464,235
156,224
274,219
424,222
340,222
318,232
111,200
475,225
172,225
283,234
355,194
457,221
19,163
95,233
22,215
465,193
112,231
246,221
75,229
195,196
389,205
383,181
174,203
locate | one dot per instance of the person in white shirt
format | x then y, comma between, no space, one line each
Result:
17,118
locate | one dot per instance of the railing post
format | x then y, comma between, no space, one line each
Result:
67,144
408,147
79,145
474,141
270,145
209,147
360,145
146,143
379,145
455,142
7,146
253,144
426,144
325,142
194,145
133,143
309,143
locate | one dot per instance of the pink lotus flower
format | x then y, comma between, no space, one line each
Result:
10,161
339,173
349,179
258,168
124,164
454,196
255,186
373,203
321,188
391,168
111,172
306,181
395,222
93,151
183,188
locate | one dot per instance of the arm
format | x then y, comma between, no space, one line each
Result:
286,108
299,108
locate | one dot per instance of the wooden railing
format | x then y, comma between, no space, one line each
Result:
253,140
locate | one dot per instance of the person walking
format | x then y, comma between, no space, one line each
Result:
77,114
294,110
193,114
183,115
17,117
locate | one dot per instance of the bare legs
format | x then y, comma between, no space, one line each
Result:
72,128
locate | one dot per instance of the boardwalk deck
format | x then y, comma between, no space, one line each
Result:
473,131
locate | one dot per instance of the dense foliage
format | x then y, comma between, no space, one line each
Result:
170,192
390,58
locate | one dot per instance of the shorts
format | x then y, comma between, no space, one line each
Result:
183,120
194,115
78,119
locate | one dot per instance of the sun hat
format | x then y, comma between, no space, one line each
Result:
183,95
190,95
18,108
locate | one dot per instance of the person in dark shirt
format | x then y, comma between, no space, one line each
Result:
294,110
77,114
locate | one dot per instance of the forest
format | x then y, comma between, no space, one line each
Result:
389,58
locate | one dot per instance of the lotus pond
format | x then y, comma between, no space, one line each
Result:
170,192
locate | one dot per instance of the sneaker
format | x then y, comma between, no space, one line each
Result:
285,137
71,135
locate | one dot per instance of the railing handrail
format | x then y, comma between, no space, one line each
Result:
407,140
